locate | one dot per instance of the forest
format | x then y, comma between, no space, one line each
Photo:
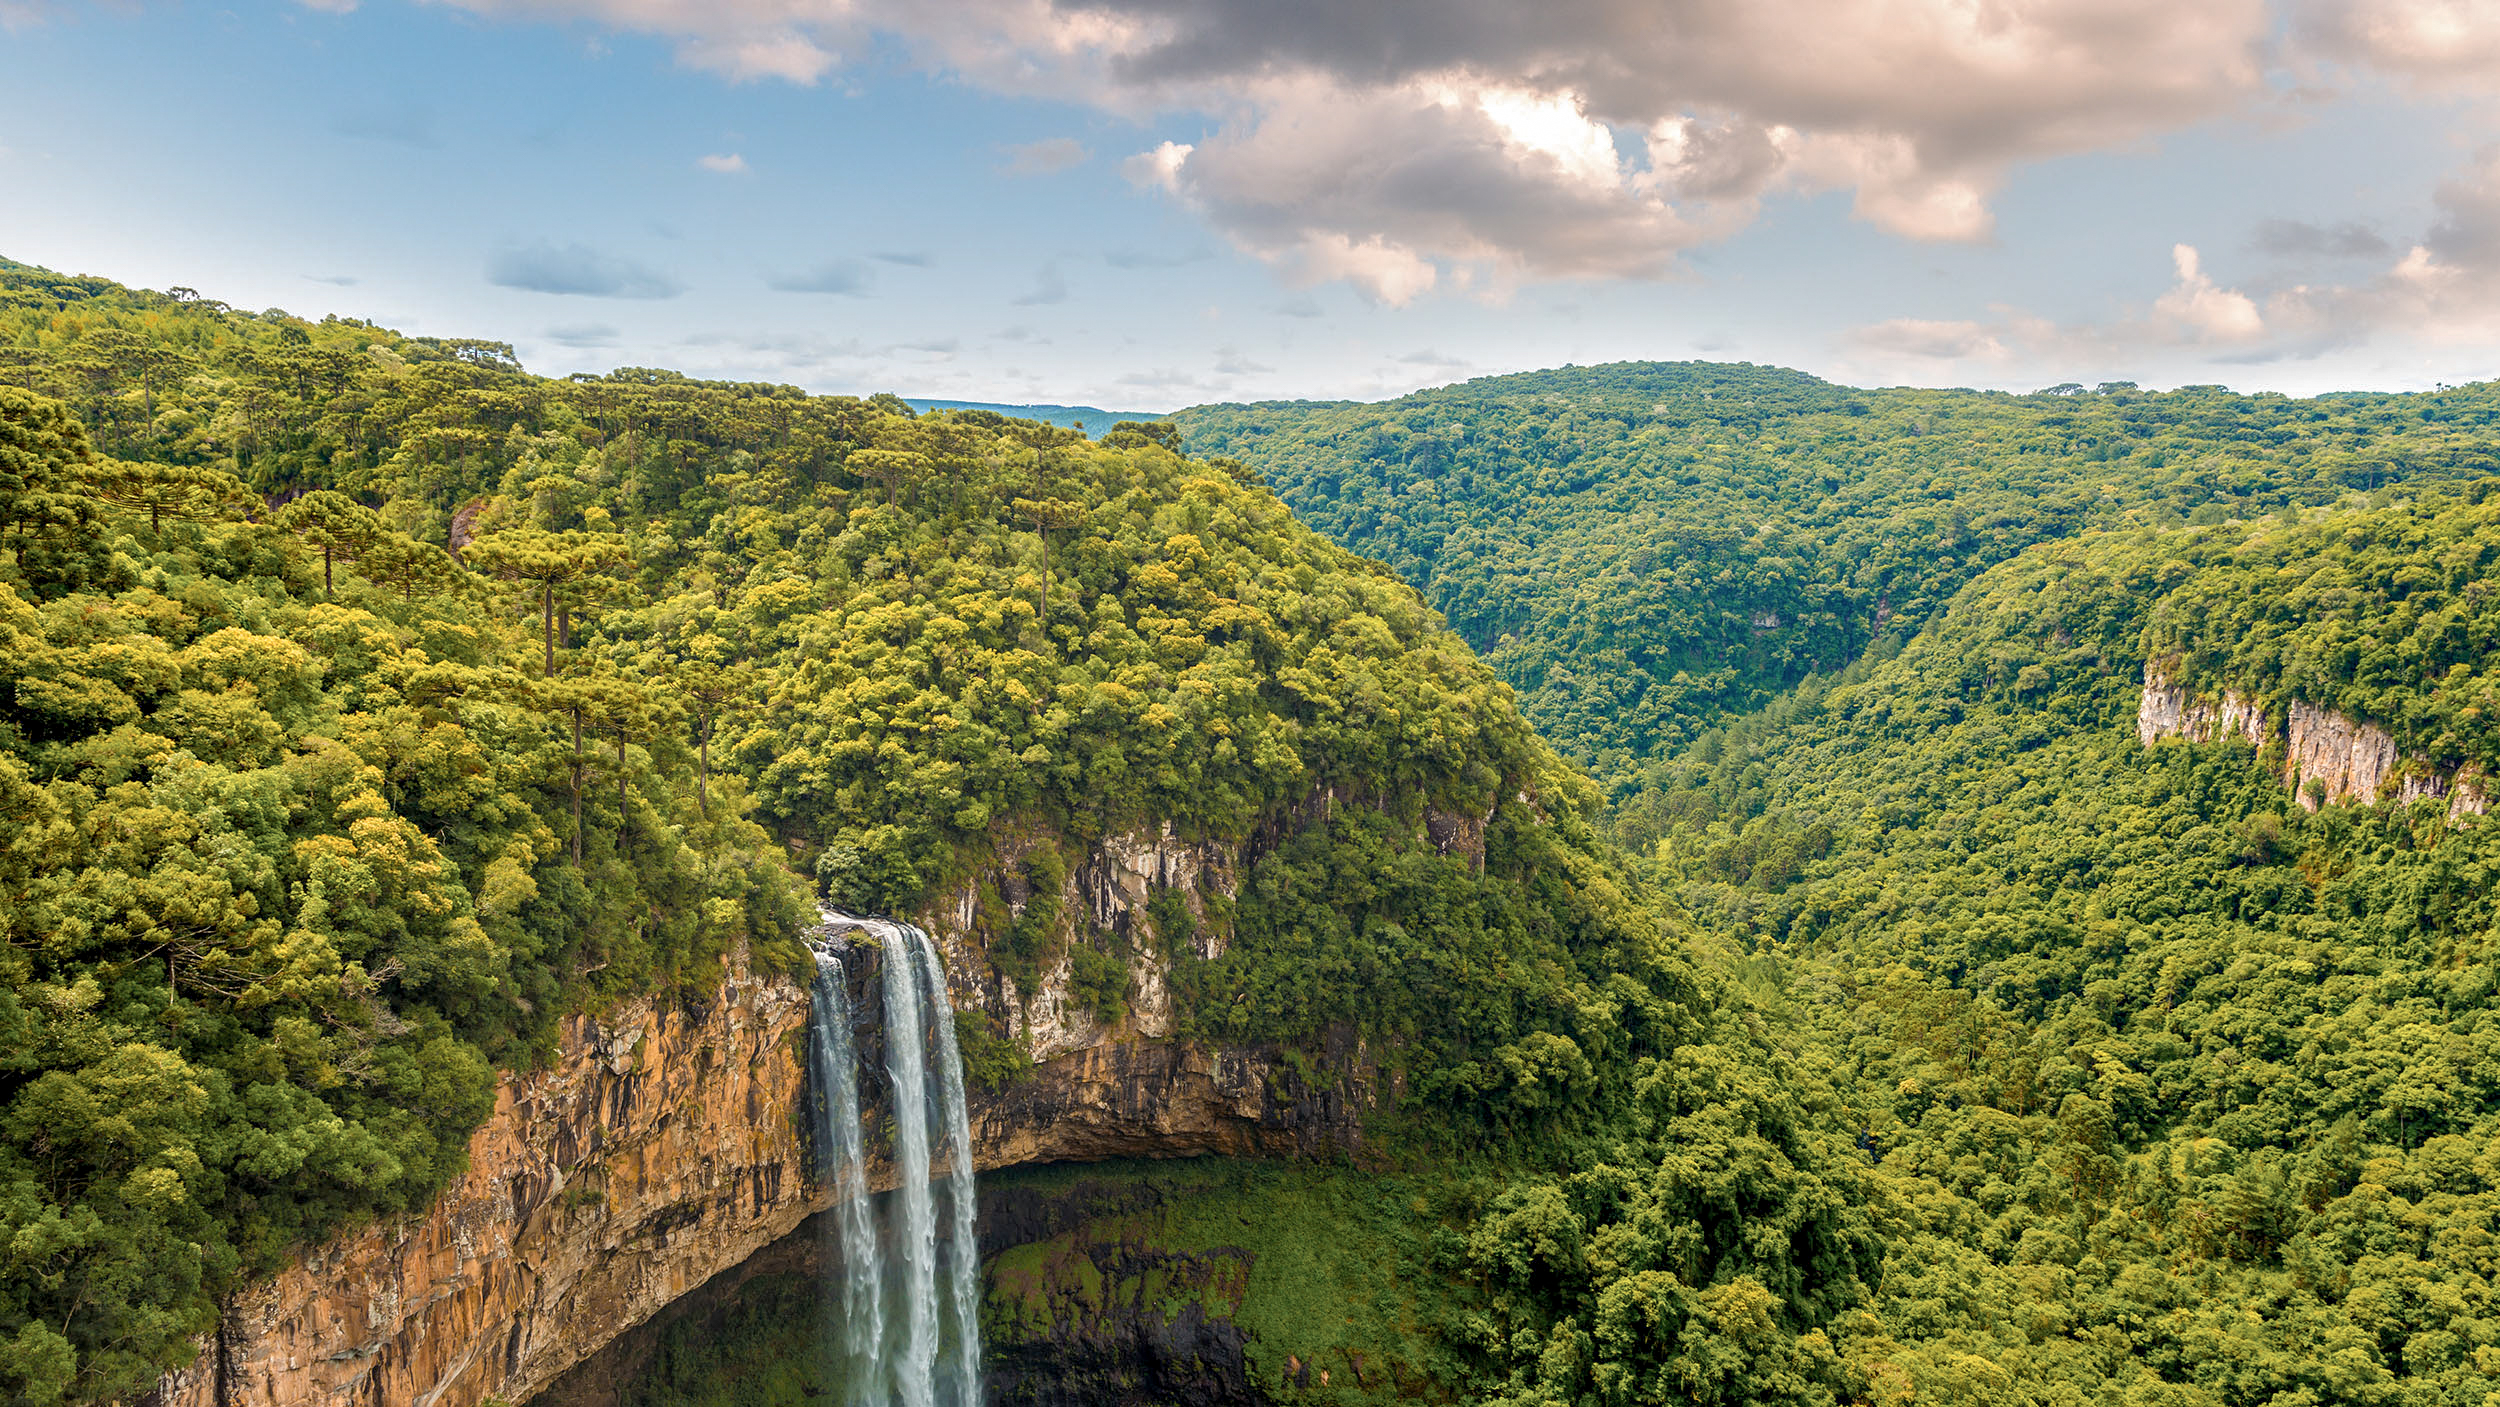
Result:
1645,550
371,704
1848,1008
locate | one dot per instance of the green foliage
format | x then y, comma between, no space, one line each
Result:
285,869
2175,1091
318,825
1646,549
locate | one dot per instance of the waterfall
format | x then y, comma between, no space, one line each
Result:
842,1163
910,1330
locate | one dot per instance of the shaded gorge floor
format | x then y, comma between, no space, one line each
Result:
1198,1282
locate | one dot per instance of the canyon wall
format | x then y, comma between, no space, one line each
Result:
2326,756
663,1147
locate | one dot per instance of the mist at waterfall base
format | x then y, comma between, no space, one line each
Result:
902,1301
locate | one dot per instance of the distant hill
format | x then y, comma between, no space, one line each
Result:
1093,420
1643,549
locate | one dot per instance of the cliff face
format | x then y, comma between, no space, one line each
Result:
659,1147
663,1148
2326,756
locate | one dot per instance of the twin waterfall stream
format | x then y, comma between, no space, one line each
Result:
903,1300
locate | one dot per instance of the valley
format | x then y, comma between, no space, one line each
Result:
1651,882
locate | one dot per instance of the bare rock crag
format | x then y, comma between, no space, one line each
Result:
2326,756
663,1147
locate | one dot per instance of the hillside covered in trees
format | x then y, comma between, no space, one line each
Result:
369,704
1644,549
2178,1090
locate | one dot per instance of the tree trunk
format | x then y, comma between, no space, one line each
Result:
547,631
703,773
577,787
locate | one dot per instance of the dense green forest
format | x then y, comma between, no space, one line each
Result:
370,704
1645,549
2175,1090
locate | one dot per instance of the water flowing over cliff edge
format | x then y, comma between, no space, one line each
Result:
665,1145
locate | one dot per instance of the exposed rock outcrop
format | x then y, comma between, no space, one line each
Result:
663,1147
2168,710
658,1148
2326,756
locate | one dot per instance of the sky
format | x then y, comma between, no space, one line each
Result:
1145,204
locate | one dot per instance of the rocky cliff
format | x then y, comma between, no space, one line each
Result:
2326,756
662,1147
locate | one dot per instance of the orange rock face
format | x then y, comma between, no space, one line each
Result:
661,1147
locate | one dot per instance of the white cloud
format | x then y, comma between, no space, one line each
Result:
1930,339
2436,43
2203,312
726,164
1466,144
2442,291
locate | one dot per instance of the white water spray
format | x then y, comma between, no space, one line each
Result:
894,1343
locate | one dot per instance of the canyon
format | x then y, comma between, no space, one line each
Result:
664,1146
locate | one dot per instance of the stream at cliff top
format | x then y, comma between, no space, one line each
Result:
902,1301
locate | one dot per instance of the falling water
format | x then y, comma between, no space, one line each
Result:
963,1265
843,1159
898,1353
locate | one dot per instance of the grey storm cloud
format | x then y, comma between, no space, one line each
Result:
843,276
578,270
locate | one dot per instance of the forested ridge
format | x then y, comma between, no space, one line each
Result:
1643,549
369,704
2179,1091
1892,1025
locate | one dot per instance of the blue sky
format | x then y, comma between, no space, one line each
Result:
1148,203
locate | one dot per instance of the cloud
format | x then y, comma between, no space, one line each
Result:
1044,158
1437,360
1412,148
2294,239
1230,362
335,280
408,126
729,164
575,269
910,259
1301,305
2203,311
588,334
844,276
1146,259
1049,286
2436,44
1929,338
2441,291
